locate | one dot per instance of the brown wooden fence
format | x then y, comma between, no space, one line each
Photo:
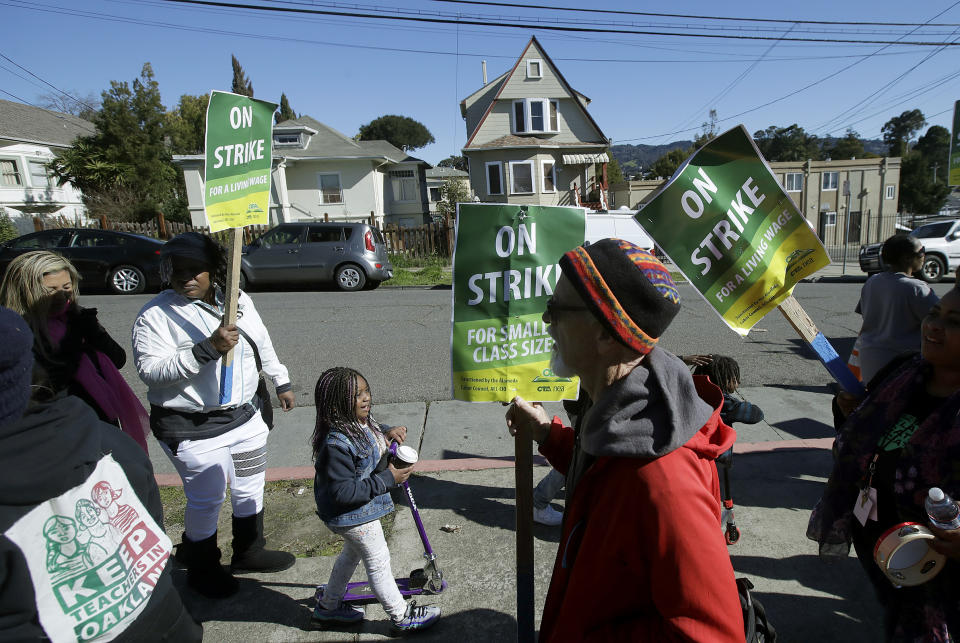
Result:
416,242
420,241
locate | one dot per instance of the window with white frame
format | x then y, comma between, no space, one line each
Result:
330,191
549,172
891,191
829,181
535,116
534,68
494,177
829,218
404,185
286,140
521,177
9,175
38,174
793,181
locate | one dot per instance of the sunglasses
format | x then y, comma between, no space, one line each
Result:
553,308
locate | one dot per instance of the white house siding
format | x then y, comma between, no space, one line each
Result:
566,177
356,185
16,199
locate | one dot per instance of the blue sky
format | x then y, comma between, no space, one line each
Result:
346,71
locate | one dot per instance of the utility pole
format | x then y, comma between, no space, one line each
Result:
934,167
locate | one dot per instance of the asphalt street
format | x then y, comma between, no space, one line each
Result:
400,337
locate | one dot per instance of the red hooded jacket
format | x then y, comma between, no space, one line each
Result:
642,556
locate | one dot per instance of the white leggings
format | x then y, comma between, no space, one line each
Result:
364,542
205,466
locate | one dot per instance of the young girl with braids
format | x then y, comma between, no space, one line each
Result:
725,373
351,486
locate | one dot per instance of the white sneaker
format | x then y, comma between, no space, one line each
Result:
547,516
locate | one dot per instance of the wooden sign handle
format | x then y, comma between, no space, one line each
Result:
232,294
805,327
523,472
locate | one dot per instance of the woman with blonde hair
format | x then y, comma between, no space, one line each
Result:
74,354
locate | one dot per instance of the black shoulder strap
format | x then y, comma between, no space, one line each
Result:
253,344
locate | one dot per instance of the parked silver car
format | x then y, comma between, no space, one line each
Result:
351,255
941,242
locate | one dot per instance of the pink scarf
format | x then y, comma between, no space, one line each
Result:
106,386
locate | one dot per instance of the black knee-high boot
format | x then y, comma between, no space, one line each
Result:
205,574
249,552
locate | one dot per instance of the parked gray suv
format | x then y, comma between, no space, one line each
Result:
941,242
351,255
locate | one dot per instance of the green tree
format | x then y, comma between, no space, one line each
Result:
899,131
708,130
923,173
7,229
790,143
129,149
456,162
848,147
614,173
667,164
399,131
187,124
452,192
286,113
241,84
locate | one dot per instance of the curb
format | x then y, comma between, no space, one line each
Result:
506,462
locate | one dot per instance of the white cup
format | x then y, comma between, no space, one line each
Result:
405,457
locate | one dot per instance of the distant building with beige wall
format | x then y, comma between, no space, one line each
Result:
818,190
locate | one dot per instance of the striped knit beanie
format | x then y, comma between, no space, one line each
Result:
626,288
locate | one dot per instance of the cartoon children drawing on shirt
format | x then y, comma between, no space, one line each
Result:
100,539
64,553
120,516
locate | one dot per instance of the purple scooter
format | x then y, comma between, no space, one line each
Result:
425,580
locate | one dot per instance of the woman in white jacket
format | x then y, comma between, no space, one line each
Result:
211,438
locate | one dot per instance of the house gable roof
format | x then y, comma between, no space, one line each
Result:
328,143
580,99
28,124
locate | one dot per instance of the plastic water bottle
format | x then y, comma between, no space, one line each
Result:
942,511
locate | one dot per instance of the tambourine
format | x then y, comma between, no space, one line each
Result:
904,555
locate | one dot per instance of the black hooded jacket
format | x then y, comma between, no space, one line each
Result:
51,449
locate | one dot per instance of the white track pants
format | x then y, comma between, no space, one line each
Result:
205,466
364,543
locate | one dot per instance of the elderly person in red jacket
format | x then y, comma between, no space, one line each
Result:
643,499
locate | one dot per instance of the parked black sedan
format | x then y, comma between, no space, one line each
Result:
125,263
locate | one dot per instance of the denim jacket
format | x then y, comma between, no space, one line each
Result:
347,487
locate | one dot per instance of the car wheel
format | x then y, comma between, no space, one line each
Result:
127,280
932,269
350,277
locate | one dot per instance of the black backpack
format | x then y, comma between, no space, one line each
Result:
756,627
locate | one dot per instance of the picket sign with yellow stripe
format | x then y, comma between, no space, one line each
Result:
728,225
236,191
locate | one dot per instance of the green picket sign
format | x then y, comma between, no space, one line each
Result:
504,270
730,228
238,150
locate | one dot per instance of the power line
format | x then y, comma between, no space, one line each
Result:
513,25
694,17
539,20
713,59
73,98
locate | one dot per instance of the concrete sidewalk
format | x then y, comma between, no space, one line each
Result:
466,481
